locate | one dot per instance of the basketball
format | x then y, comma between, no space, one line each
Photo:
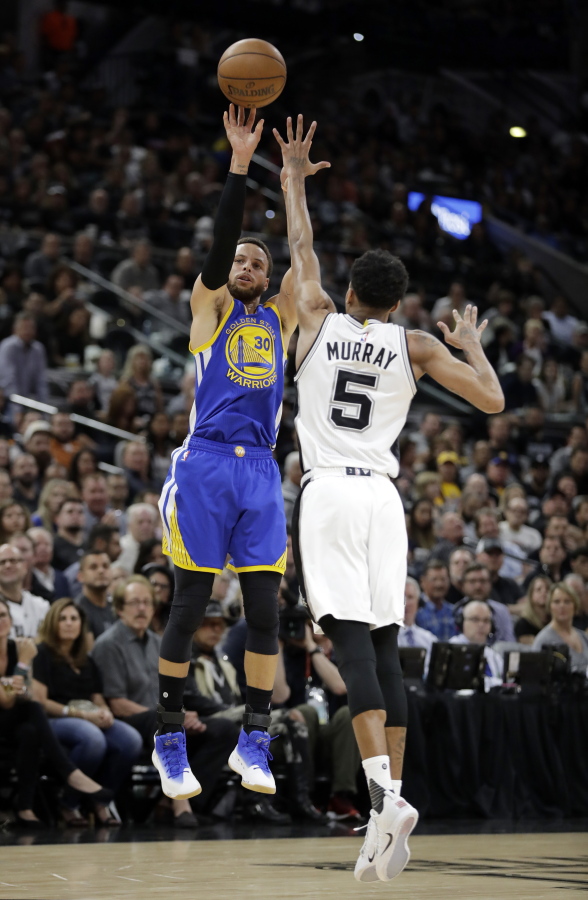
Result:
251,73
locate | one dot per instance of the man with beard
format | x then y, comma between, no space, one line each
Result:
70,534
37,442
25,481
94,576
223,491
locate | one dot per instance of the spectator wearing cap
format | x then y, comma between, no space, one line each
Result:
555,503
411,634
37,441
489,552
26,486
451,532
518,387
23,361
536,480
447,466
477,585
498,472
552,559
515,529
436,614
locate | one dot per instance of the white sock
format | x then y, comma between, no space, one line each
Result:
397,787
377,768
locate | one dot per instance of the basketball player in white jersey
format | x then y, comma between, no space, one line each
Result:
356,376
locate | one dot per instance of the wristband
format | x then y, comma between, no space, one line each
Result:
65,711
316,650
21,669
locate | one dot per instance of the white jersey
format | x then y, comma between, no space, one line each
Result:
355,387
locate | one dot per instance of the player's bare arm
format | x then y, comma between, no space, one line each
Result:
475,380
210,297
312,303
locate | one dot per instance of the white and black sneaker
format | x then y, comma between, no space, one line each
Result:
394,825
365,867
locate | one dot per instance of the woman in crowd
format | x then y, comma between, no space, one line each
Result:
150,553
162,581
421,530
55,491
31,735
137,374
563,605
533,610
85,462
122,408
63,673
551,387
71,336
14,519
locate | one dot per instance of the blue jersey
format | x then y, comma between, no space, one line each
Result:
240,379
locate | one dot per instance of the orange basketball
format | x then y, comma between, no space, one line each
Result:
251,73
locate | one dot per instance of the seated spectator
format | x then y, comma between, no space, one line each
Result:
27,724
94,577
95,500
552,561
421,530
40,264
37,441
518,387
172,301
534,614
142,520
45,576
54,492
562,606
489,552
291,483
428,429
183,402
137,465
514,528
150,553
436,614
14,519
451,531
83,463
25,481
476,627
128,658
64,674
80,400
577,584
447,466
137,270
26,610
578,468
459,560
551,387
537,479
216,679
103,380
30,582
102,539
561,324
498,473
137,374
6,489
411,634
63,444
23,361
162,581
478,586
118,495
70,534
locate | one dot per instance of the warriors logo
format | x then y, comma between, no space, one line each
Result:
250,354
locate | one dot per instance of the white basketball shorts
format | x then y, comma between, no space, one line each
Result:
353,549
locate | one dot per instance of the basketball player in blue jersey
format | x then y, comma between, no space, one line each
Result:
223,493
356,375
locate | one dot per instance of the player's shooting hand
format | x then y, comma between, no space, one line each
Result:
465,333
295,152
243,138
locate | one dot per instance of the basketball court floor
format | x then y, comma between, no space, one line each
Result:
130,863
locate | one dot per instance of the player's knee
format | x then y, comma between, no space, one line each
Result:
262,640
191,595
260,603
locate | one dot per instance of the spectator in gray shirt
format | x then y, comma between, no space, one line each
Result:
95,577
23,361
137,271
39,265
128,658
172,300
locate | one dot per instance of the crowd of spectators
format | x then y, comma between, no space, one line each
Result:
496,507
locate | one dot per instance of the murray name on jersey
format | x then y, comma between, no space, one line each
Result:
360,351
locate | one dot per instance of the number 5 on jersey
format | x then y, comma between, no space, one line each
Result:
351,407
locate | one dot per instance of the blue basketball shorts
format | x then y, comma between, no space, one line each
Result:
221,499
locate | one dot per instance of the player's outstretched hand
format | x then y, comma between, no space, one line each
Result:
295,152
465,333
243,138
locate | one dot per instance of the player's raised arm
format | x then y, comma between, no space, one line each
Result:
209,293
308,293
475,380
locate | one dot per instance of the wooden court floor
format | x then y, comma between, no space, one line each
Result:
477,867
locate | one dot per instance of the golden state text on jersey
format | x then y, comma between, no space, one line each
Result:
240,379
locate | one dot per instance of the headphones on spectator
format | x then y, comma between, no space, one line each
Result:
458,615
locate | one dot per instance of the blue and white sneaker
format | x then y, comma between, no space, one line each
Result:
170,760
250,760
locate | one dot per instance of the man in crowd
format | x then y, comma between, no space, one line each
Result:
127,655
23,361
136,463
514,528
95,500
102,539
54,582
63,444
142,521
70,534
552,561
477,585
170,300
505,590
411,634
39,265
137,271
476,629
95,577
37,441
459,560
429,428
26,610
436,614
451,534
25,481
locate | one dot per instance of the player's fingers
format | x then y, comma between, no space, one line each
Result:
289,133
310,135
299,128
240,116
278,138
457,316
320,165
251,117
443,328
474,315
482,327
259,128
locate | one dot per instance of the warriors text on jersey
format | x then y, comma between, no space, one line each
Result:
240,379
355,387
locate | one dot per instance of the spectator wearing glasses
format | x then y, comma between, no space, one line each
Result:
478,586
26,610
162,581
436,614
476,628
128,658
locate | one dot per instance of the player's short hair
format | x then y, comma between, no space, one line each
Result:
264,247
379,279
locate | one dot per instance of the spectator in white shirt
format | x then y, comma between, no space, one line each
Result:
142,521
26,610
515,529
476,628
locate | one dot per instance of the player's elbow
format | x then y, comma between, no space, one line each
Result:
492,404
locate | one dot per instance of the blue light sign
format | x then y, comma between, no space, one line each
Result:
455,216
